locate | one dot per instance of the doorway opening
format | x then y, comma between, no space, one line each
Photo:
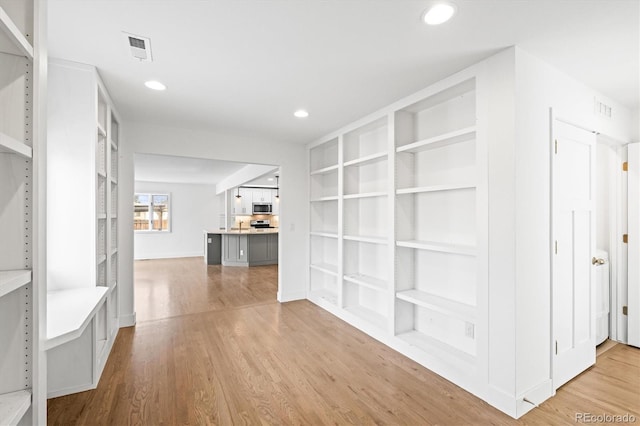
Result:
173,271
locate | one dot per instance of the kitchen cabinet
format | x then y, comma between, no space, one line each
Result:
234,248
261,195
242,205
249,249
263,249
213,249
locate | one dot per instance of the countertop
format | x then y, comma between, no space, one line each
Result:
245,231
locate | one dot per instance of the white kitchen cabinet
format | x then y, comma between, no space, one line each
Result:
82,156
21,91
261,195
394,246
241,206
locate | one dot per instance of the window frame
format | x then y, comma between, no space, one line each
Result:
152,194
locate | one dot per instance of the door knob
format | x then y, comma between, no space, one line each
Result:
597,261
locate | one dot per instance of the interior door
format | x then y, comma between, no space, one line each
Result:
573,248
633,229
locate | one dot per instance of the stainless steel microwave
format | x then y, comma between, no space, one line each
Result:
262,208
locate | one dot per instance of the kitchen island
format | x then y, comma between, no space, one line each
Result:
250,247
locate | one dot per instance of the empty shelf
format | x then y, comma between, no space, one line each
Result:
440,140
326,295
70,311
367,281
436,188
101,130
328,198
440,304
365,195
366,159
13,406
13,280
462,249
368,315
362,239
437,348
324,234
325,267
325,170
14,146
11,39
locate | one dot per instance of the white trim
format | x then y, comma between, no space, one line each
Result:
199,253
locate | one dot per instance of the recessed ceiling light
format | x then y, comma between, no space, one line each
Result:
301,113
270,179
439,13
155,85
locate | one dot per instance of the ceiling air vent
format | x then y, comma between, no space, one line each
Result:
138,47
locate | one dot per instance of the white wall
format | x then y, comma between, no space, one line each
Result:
294,199
538,88
193,208
520,91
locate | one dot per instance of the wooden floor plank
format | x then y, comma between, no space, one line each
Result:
212,346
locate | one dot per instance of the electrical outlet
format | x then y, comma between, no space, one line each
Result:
241,252
209,240
469,330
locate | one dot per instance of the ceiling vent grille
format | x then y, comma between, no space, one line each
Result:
138,47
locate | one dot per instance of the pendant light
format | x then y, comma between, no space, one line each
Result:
238,196
277,187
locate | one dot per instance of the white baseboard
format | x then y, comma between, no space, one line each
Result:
290,297
127,320
167,255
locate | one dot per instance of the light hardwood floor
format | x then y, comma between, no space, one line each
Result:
212,346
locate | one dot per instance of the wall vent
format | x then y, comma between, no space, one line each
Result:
138,47
602,109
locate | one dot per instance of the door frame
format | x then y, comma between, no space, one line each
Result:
553,117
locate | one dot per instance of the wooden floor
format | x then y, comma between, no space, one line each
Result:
212,346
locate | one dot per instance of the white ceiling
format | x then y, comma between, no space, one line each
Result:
164,168
244,66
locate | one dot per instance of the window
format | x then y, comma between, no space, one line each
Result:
151,212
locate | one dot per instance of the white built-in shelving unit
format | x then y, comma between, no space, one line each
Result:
19,331
82,300
395,228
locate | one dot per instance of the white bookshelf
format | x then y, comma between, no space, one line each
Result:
82,289
394,230
19,287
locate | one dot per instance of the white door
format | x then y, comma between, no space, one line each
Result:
573,247
633,229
